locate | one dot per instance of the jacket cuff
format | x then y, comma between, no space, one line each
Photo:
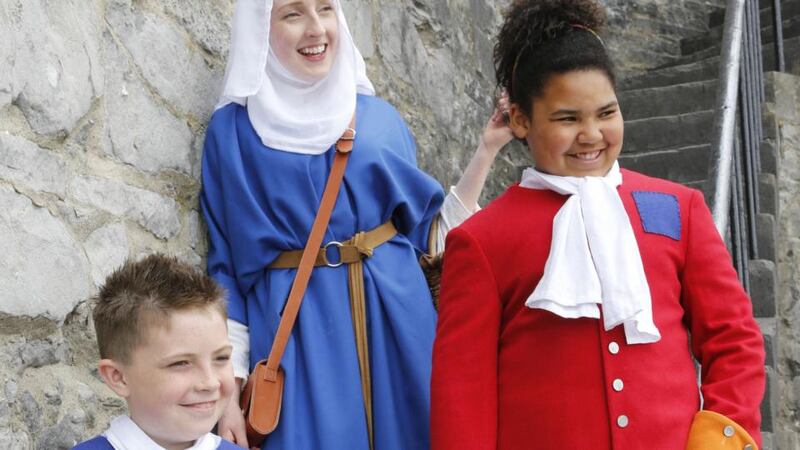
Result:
713,431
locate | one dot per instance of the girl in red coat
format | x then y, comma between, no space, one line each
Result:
573,305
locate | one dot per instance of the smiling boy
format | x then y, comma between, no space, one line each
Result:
163,344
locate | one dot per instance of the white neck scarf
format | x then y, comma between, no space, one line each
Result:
594,262
124,434
288,113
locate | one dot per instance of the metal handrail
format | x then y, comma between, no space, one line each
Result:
736,165
724,130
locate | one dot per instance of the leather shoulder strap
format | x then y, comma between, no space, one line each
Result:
343,148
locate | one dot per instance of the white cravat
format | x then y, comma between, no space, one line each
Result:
594,260
124,434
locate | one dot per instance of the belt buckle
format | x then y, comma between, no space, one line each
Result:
325,248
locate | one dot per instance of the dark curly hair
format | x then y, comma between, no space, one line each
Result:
541,38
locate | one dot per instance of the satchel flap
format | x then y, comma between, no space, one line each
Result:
265,400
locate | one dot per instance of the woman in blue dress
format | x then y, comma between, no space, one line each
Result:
294,81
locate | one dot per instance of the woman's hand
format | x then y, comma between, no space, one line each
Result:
496,133
231,424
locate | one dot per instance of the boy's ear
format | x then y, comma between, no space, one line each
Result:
113,375
518,121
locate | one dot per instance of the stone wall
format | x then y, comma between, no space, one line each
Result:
783,98
103,106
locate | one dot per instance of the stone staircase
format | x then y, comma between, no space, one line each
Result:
668,124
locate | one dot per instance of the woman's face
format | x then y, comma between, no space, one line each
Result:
303,35
575,128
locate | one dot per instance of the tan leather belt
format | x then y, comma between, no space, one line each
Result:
360,246
351,252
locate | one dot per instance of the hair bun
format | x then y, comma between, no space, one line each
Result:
528,23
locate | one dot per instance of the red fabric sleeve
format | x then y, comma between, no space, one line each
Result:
725,338
464,378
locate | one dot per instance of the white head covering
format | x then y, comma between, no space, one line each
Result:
288,113
594,259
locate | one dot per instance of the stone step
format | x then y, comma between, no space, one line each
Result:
766,49
788,8
662,133
673,74
791,56
791,28
686,165
668,100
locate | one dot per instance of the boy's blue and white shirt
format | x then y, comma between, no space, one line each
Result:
124,434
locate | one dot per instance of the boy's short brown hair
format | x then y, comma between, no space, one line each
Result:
142,294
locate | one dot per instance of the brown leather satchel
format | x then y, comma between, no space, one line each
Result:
262,396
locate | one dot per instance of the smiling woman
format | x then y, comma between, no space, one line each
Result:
303,36
357,362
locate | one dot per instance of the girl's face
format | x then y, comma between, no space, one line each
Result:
576,125
303,35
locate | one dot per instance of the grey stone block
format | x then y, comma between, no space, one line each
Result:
31,412
769,126
769,404
768,200
763,287
40,353
30,166
43,270
769,349
65,434
155,212
766,233
769,157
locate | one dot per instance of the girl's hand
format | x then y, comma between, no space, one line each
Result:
231,424
496,133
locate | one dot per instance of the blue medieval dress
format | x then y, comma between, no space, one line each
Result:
258,202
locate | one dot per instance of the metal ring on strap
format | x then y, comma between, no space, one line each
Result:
325,247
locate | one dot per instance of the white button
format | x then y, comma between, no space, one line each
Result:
748,447
622,421
728,431
618,385
613,347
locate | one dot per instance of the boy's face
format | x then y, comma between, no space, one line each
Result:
576,126
179,381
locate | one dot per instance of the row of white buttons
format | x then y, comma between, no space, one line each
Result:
618,385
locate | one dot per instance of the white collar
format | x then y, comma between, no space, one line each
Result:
124,434
289,114
595,262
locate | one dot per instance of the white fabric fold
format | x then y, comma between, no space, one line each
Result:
594,260
286,112
239,336
124,434
452,214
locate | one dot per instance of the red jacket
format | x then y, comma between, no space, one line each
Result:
509,377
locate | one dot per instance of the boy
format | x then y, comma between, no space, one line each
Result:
163,344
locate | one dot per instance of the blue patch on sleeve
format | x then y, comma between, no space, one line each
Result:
660,213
